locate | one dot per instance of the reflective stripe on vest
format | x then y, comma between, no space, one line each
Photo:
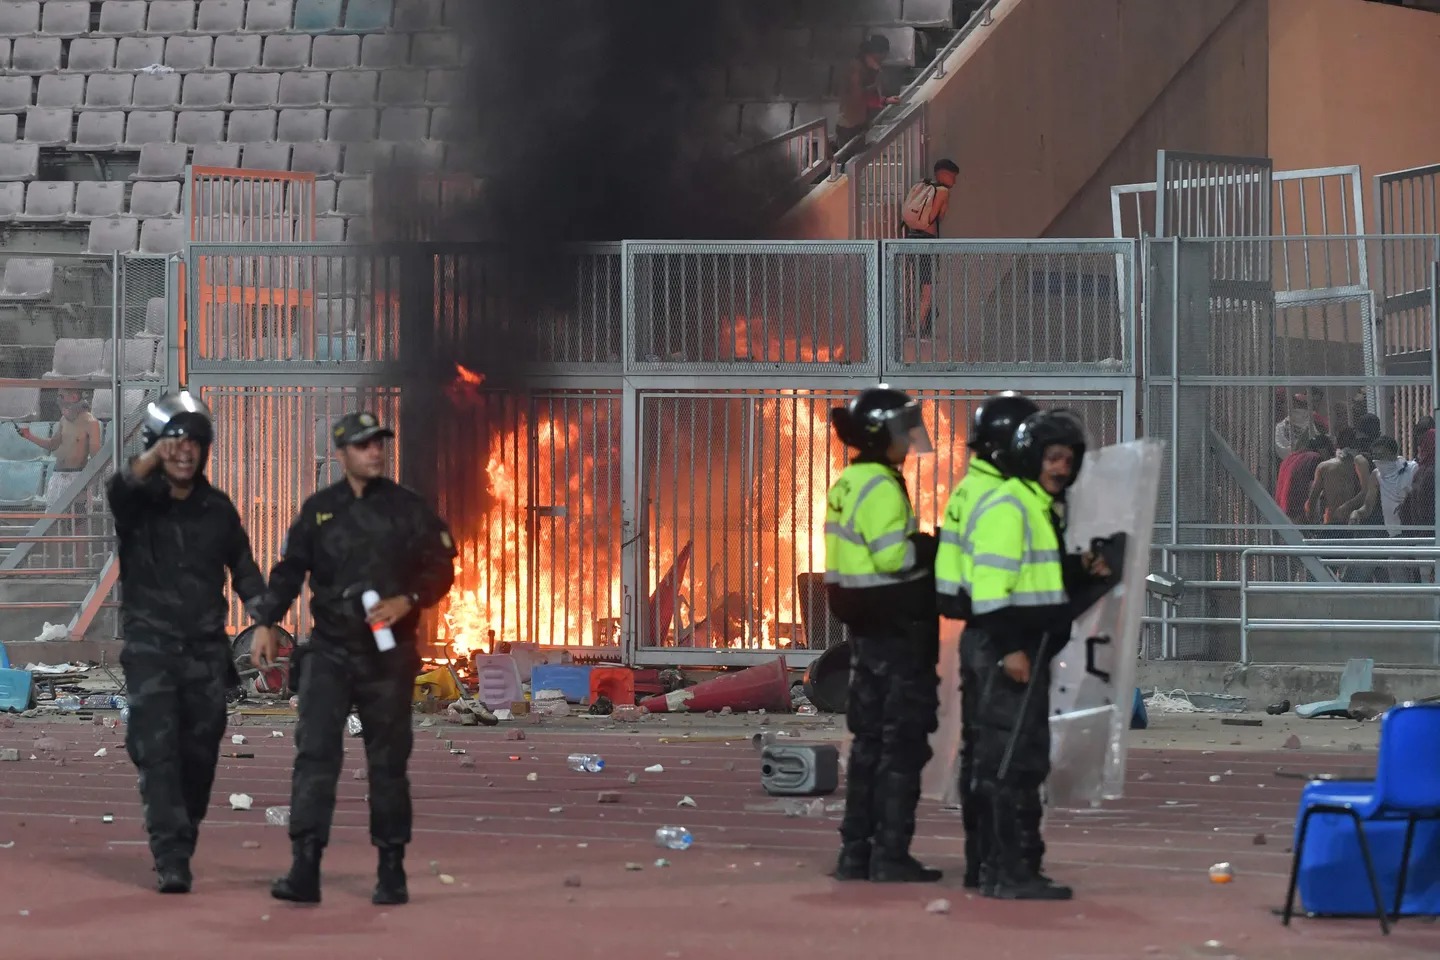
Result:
952,560
1010,567
868,523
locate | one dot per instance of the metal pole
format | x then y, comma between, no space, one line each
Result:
1435,409
1244,606
117,404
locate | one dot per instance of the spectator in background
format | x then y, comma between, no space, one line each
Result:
861,98
1388,485
1417,433
1294,433
1337,488
1417,513
920,217
75,439
1297,474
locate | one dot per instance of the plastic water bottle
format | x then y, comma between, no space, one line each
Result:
384,639
125,715
68,703
277,816
586,762
673,838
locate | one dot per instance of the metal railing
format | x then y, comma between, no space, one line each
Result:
802,153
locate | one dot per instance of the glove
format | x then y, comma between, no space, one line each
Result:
926,546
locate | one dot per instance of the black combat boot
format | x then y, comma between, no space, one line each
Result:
302,884
173,876
854,862
1012,875
891,861
390,886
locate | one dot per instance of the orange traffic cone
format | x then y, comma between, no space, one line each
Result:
766,687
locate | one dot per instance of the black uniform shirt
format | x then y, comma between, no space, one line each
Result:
173,558
387,540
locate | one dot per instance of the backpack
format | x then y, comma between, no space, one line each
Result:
919,209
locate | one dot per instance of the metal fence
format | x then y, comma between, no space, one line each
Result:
882,176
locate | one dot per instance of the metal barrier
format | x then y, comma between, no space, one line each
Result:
881,177
802,153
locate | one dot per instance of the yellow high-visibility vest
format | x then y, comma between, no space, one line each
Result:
868,523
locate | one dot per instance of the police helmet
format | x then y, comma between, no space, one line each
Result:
180,414
995,422
1026,453
878,417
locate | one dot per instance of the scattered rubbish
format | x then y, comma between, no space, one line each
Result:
1221,873
277,734
767,685
514,734
277,816
726,711
352,725
585,762
435,867
662,862
1145,776
7,845
1276,709
101,752
686,763
107,818
1367,705
514,756
602,707
1215,778
674,838
804,808
1241,722
655,768
1291,743
686,802
427,722
457,751
938,906
47,745
238,739
632,866
446,879
1358,677
557,809
532,777
808,710
250,845
1260,840
466,761
235,755
360,774
633,778
241,801
608,796
573,880
800,769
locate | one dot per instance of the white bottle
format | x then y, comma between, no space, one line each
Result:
384,639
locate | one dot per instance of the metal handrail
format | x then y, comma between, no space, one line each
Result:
810,140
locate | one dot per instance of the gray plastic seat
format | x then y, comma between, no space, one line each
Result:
440,85
49,201
363,159
352,125
265,156
251,126
354,88
155,199
216,155
65,18
317,16
169,17
283,52
299,126
382,51
9,128
91,55
100,130
419,155
121,17
28,278
161,161
188,53
156,91
19,17
150,126
236,53
302,88
137,53
109,90
102,404
35,55
162,236
76,356
155,316
400,88
329,229
48,127
112,235
19,161
321,158
203,91
357,230
16,94
137,355
22,484
335,53
443,125
353,198
19,403
220,16
366,15
935,14
60,90
828,110
269,16
404,123
435,50
200,126
419,14
324,196
804,81
12,199
902,45
255,89
99,198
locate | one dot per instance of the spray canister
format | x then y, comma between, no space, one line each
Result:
384,639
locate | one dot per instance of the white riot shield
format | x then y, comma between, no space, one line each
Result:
938,781
1092,688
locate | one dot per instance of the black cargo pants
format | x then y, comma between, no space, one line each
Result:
380,687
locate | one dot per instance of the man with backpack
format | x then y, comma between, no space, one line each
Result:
920,217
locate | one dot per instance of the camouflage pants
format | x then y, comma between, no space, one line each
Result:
177,718
380,688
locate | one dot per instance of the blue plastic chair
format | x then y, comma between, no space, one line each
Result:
1406,787
317,16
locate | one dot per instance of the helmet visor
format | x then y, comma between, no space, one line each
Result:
907,425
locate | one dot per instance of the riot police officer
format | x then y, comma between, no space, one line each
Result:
365,533
177,537
1018,594
991,429
880,583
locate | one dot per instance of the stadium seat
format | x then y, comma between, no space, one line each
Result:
236,53
91,55
112,235
902,45
255,90
137,358
269,16
160,161
804,81
12,199
353,197
335,314
935,14
420,155
330,229
188,53
48,127
19,161
204,91
137,53
357,88
28,278
19,403
100,130
404,123
303,88
101,198
363,159
335,53
65,91
300,126
19,18
65,18
76,357
251,126
443,125
265,156
14,447
155,200
383,51
47,201
435,49
324,196
105,90
150,126
352,126
286,52
35,54
102,404
220,16
17,94
441,84
415,15
156,91
121,17
9,128
22,484
169,17
163,236
209,154
321,158
366,15
200,126
317,16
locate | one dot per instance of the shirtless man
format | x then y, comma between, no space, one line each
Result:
1338,489
76,439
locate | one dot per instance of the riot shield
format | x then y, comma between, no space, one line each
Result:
1093,679
938,782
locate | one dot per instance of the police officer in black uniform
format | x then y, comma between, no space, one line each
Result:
364,533
177,536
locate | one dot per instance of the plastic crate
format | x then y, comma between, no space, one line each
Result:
571,679
16,688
